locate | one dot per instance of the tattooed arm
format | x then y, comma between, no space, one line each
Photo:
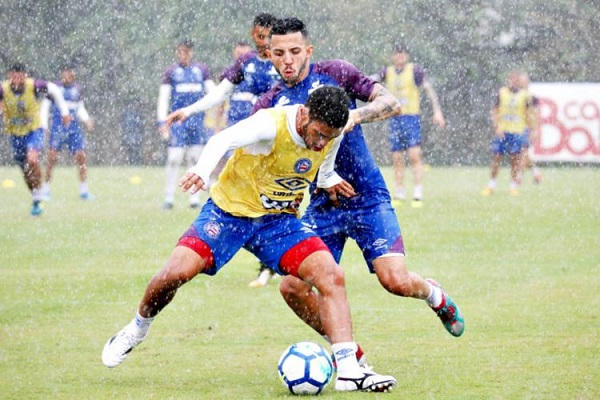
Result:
382,105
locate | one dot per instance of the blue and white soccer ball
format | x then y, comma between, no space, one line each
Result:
305,368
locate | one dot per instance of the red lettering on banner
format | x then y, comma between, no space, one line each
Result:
549,121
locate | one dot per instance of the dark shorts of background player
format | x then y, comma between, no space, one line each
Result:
190,132
405,132
511,144
71,137
34,140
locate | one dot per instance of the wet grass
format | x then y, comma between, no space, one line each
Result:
525,271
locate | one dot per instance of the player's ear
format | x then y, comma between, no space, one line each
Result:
309,50
268,53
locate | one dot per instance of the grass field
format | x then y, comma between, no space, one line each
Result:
525,271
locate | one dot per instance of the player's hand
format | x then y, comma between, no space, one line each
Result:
175,116
89,125
66,120
165,131
438,119
191,182
343,188
500,133
353,120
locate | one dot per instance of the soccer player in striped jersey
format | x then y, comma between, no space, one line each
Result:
183,83
71,136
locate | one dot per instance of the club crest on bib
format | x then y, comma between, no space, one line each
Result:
212,229
302,166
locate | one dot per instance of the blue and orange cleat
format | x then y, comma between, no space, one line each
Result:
449,313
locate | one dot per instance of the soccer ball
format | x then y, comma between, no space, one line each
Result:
305,368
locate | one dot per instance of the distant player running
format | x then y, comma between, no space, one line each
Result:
21,98
71,136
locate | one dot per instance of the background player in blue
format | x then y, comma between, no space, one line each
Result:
183,83
243,97
71,136
21,97
252,70
367,217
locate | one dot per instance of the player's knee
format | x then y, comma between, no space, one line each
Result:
395,279
330,278
291,287
175,156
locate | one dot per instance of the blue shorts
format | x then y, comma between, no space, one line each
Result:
268,237
34,140
71,136
190,132
405,132
375,230
511,144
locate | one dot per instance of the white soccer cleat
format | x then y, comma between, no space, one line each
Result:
264,276
370,381
119,346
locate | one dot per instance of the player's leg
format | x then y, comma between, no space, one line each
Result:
300,296
497,149
192,156
380,224
199,250
514,148
77,149
398,162
26,152
183,264
414,156
318,268
398,149
52,159
411,130
174,160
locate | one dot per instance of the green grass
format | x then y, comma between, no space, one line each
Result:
525,271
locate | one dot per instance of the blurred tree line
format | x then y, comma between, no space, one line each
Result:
121,49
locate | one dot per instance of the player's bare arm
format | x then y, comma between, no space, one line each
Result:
382,105
438,116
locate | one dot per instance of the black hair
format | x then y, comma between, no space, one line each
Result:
264,20
330,105
399,48
285,26
18,67
189,43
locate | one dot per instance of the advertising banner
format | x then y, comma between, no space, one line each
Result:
568,127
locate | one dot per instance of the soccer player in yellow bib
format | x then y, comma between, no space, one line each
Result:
253,205
21,98
510,119
405,80
530,134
